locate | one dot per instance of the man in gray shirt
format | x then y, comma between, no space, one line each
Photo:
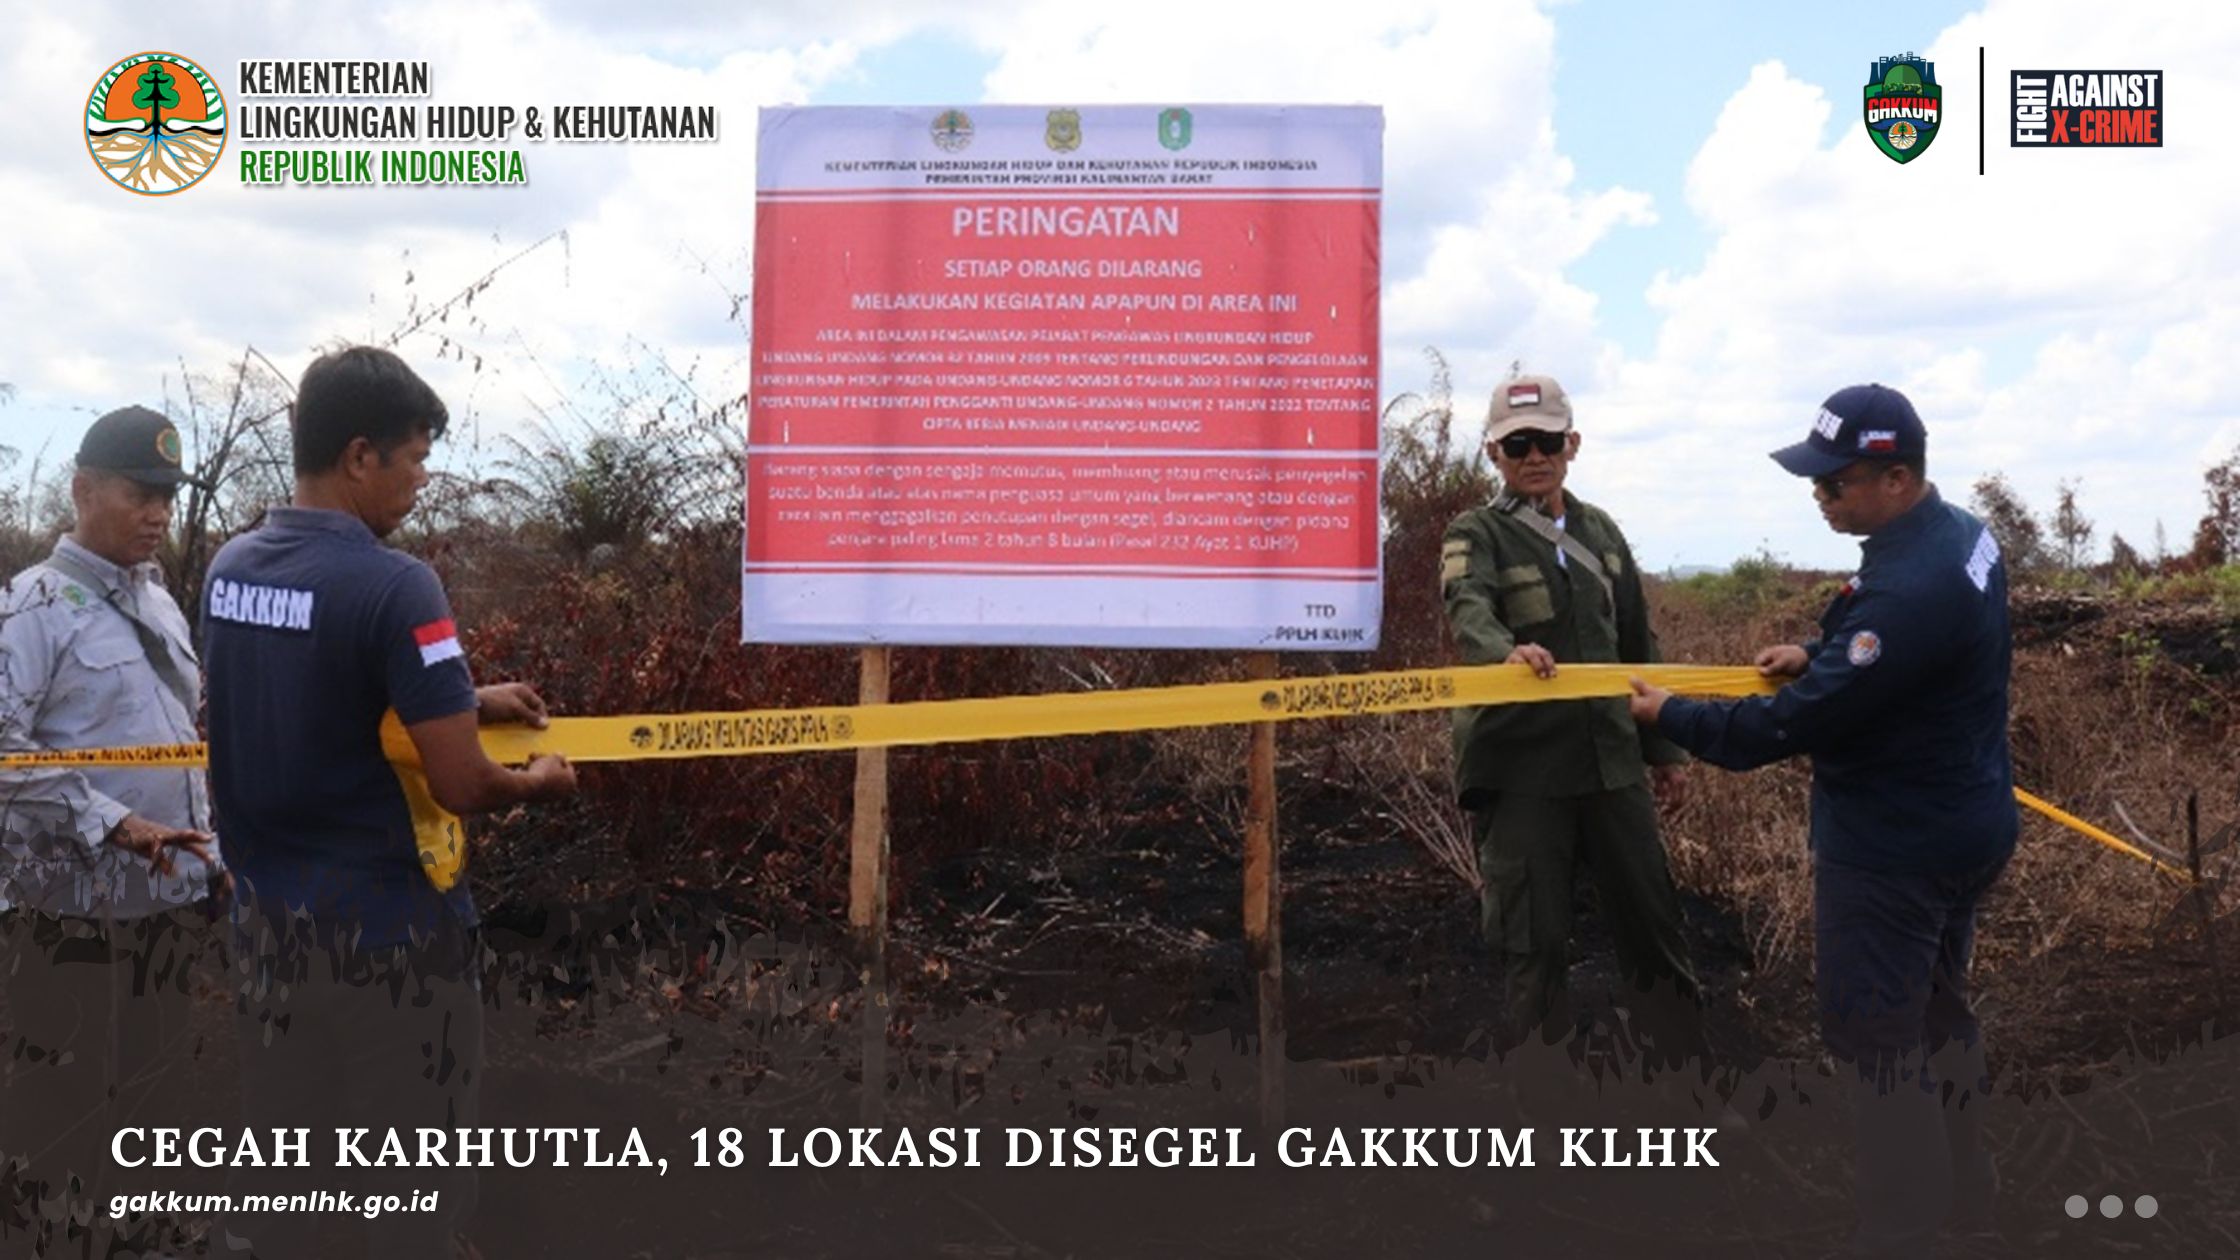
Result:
100,866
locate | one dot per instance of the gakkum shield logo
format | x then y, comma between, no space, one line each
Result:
1903,106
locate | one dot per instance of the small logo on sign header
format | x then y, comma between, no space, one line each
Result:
1063,134
952,130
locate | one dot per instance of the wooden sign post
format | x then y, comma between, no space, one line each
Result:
1263,901
867,888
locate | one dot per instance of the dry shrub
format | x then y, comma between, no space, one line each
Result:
646,621
1430,475
1205,764
1740,838
656,632
653,628
2103,715
1402,767
2107,726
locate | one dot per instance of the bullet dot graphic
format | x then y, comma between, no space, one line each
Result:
2077,1207
2111,1207
2146,1206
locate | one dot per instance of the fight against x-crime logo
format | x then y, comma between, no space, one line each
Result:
155,123
2096,109
1904,105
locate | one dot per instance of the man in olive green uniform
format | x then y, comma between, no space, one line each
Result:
1540,578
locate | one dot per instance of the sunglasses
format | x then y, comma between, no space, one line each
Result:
1520,444
1832,484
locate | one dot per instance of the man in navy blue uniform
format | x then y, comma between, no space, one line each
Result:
360,1004
1901,702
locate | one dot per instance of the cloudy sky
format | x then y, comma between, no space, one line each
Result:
1674,209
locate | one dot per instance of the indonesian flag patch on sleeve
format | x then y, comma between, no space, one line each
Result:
438,640
1866,648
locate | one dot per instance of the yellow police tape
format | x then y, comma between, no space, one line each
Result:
153,756
2090,832
651,736
838,728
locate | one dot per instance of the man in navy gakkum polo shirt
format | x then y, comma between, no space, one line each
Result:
1901,702
360,1004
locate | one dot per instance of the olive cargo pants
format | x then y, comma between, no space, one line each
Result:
1529,849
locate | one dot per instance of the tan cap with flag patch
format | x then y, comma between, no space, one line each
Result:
1527,402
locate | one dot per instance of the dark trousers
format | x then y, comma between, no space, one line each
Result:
1891,969
1529,849
378,1040
97,1040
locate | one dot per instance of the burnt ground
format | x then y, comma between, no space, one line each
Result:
1382,949
1106,986
2195,636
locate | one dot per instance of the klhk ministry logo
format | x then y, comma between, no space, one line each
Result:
1063,134
1904,105
155,123
1174,129
952,130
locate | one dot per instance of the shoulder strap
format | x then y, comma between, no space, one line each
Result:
153,645
1580,554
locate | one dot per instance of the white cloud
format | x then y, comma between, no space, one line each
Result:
2114,271
2069,313
657,234
1482,213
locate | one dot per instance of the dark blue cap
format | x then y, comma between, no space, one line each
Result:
1857,422
137,443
